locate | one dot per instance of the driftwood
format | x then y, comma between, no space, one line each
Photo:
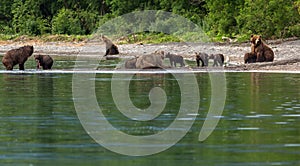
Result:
256,66
281,62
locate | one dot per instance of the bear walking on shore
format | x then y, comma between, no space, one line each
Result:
17,56
218,59
203,58
44,61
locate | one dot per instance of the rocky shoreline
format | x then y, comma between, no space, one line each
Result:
287,53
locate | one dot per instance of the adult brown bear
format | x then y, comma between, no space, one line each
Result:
263,52
151,61
111,48
43,60
131,63
17,56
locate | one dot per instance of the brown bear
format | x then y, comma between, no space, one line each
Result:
151,61
175,59
111,48
263,52
17,56
130,64
250,57
218,59
43,60
203,57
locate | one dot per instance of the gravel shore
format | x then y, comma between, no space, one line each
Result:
284,50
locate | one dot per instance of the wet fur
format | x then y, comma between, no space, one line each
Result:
17,56
149,61
44,61
131,63
175,59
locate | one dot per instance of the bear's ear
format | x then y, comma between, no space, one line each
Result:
259,36
252,35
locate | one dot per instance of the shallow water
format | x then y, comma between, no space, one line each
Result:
259,124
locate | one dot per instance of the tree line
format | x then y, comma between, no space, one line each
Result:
271,18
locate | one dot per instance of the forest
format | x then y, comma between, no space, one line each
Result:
231,18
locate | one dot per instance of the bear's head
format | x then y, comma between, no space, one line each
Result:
255,40
168,55
38,58
28,49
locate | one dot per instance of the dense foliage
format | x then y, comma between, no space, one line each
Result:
271,18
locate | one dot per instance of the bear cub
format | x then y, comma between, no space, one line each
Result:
175,59
44,61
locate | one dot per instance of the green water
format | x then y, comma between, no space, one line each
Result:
259,125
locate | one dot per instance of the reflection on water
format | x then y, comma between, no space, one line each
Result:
259,126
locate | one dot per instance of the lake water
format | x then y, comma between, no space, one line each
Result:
40,126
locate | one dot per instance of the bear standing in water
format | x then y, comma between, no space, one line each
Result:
43,60
175,59
17,56
111,48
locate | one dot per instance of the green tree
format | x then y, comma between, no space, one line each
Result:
271,18
221,17
66,22
5,15
27,18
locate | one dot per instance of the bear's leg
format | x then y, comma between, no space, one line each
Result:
182,63
260,57
206,61
220,62
21,66
38,65
171,62
215,63
246,58
253,57
9,67
203,64
107,52
269,56
198,62
45,67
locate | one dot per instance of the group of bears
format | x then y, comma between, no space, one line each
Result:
20,55
260,52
